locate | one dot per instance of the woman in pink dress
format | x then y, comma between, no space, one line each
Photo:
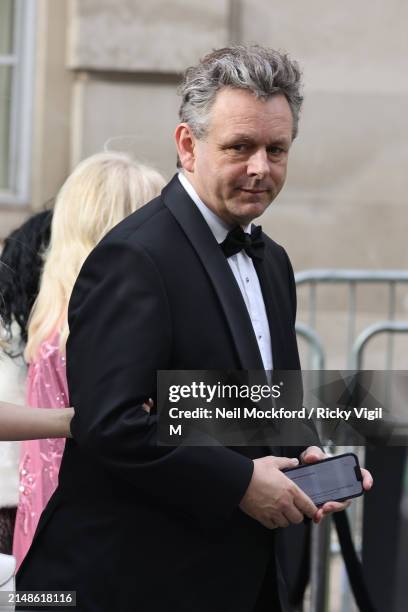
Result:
40,459
20,268
101,191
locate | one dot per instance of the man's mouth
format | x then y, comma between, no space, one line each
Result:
253,190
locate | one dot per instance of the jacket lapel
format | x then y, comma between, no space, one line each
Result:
202,240
265,271
274,281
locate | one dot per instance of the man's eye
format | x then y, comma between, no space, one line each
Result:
239,147
275,150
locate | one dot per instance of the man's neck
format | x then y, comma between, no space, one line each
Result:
189,184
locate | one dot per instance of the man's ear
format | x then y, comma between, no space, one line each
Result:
185,142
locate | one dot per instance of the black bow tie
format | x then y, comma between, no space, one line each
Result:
237,240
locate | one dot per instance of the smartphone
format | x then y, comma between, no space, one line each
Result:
333,479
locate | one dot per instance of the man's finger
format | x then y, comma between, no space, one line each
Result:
331,507
293,515
303,502
280,520
318,516
284,462
367,479
269,524
312,454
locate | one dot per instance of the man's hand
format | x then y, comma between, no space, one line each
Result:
272,498
147,406
313,454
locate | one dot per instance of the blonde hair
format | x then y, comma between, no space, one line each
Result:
101,191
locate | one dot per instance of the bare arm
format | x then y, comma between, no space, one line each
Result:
22,423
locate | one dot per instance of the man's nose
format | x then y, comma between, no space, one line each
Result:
258,164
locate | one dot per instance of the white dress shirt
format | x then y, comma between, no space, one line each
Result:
244,272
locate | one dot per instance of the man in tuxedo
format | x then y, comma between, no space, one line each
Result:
185,283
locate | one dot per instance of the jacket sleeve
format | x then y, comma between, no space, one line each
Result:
292,286
120,335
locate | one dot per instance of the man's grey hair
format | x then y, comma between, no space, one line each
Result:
263,71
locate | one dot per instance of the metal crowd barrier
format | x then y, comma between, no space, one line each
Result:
390,327
352,278
356,346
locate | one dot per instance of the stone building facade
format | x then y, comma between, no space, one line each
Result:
105,73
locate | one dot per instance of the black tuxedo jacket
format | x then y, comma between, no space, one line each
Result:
132,525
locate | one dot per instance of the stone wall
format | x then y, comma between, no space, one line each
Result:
107,74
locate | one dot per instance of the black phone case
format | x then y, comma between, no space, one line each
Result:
357,472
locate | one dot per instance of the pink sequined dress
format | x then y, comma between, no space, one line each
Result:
40,459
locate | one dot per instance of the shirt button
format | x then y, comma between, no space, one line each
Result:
259,337
247,279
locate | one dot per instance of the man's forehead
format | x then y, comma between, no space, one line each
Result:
240,113
251,136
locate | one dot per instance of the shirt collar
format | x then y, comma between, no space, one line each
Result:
218,227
